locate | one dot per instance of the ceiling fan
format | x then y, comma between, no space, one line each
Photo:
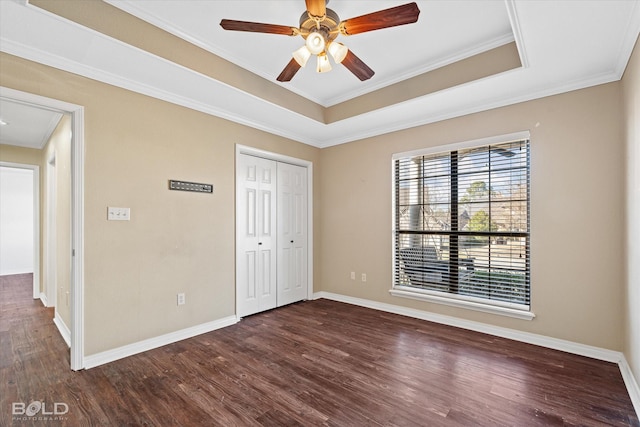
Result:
320,26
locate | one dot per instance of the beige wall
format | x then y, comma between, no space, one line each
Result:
58,147
631,88
183,242
175,241
13,154
577,200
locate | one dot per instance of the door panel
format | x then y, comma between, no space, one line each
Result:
256,264
251,268
292,233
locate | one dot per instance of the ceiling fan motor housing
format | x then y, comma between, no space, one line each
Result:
327,26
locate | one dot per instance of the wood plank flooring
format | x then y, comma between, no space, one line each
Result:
311,363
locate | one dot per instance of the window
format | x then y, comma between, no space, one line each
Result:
461,225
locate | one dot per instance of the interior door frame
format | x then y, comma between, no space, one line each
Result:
35,169
49,250
251,151
77,211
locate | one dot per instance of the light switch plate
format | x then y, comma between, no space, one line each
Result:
181,299
118,214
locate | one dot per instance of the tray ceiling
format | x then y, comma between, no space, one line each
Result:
425,72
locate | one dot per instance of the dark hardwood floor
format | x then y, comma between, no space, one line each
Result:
312,363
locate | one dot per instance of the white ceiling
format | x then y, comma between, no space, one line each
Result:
564,45
446,31
26,125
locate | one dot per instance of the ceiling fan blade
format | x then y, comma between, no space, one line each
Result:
257,27
357,67
317,7
399,15
289,71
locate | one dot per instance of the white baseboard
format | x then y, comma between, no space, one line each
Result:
43,299
63,329
631,383
138,347
526,337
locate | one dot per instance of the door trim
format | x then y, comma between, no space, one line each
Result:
243,149
36,221
77,211
50,292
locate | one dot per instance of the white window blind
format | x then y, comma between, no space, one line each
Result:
462,224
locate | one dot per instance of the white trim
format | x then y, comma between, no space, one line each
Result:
98,359
250,116
65,64
77,212
224,90
632,33
417,71
504,309
251,151
50,249
457,301
36,232
631,383
461,145
77,233
132,8
43,299
526,337
62,328
486,105
243,149
55,119
36,221
517,32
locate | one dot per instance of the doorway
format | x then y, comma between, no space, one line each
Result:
20,221
76,167
274,223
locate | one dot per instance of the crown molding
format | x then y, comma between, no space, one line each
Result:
464,110
133,9
632,34
249,109
517,31
202,93
425,68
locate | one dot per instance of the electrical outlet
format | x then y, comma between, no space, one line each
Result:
364,277
353,275
181,299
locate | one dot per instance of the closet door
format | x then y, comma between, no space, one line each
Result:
292,233
256,234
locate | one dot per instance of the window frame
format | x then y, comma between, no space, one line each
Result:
519,311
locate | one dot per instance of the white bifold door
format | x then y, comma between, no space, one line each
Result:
271,229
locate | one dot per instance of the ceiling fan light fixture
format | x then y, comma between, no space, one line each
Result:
323,63
315,42
302,55
319,26
338,51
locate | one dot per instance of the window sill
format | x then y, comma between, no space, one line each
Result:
453,301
